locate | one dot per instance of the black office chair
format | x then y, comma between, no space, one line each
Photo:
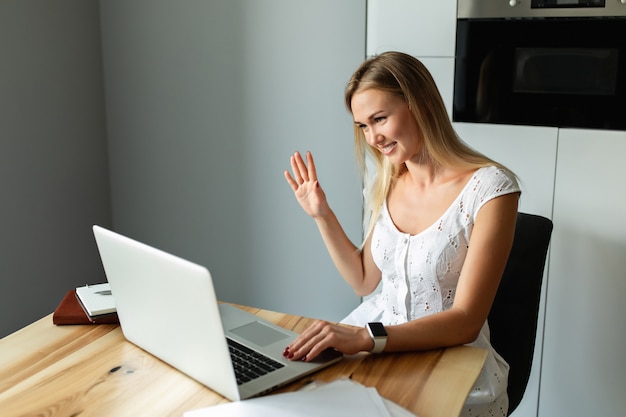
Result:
513,316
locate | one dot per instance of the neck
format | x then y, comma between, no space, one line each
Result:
423,170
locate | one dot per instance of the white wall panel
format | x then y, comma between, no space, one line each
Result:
584,372
530,152
418,27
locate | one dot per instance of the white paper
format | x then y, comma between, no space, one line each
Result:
335,399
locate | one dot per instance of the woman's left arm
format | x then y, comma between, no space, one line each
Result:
489,248
488,252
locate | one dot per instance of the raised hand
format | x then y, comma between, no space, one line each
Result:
305,186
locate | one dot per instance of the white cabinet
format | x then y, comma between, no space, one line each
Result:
584,372
528,151
417,27
531,153
574,177
442,70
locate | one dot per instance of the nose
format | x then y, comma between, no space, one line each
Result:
373,137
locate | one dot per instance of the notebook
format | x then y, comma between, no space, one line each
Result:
167,306
96,299
71,311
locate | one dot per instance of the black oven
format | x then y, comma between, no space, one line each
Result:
555,63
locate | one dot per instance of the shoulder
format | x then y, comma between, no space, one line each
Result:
488,183
495,179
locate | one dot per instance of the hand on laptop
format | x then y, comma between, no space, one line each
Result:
322,335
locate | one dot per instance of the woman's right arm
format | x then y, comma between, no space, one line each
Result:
356,266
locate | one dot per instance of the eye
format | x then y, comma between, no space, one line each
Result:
361,126
379,119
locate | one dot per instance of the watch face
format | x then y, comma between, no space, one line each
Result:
377,329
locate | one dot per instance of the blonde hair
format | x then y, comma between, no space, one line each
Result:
405,76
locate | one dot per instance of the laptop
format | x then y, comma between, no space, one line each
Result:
168,307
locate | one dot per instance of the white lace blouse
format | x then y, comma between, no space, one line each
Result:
420,273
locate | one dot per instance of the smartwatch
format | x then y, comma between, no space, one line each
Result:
379,336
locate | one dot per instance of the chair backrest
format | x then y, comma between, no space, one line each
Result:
513,316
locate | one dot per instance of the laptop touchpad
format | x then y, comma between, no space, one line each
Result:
259,334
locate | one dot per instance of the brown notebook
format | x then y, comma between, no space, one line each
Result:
70,311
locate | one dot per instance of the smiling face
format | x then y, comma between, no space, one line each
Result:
387,124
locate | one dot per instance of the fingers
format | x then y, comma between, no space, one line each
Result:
313,341
303,182
312,170
297,180
292,183
302,172
296,167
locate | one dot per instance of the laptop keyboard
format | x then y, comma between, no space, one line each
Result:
249,364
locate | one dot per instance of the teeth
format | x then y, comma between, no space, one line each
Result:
389,147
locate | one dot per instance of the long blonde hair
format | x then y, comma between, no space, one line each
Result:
405,76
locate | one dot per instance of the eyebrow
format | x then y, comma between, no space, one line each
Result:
371,117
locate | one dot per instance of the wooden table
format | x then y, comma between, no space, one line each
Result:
91,370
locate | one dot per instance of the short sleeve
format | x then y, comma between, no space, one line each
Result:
489,183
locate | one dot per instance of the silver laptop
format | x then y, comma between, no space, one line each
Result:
168,307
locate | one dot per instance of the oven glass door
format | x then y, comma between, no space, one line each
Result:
542,72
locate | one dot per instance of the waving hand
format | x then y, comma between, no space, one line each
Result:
305,186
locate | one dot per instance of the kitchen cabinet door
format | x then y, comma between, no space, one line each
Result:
530,152
584,372
418,27
442,70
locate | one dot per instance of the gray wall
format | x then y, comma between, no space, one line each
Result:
206,101
53,162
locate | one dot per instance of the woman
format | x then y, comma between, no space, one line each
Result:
441,225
